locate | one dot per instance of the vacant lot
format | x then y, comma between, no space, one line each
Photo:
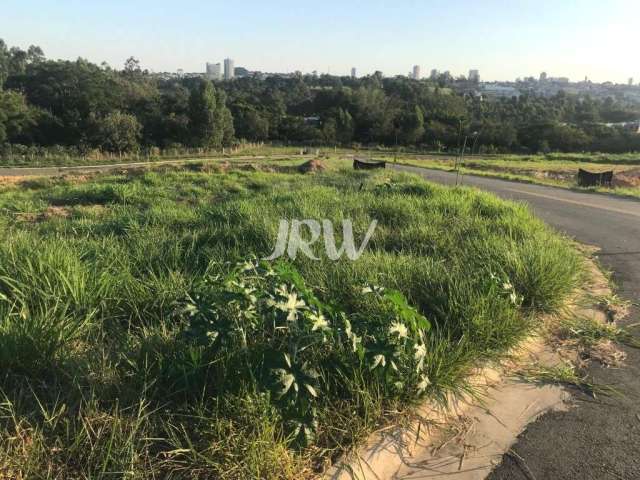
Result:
140,339
556,169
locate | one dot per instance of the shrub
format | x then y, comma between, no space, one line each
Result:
262,325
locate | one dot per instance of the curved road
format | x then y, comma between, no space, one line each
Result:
598,440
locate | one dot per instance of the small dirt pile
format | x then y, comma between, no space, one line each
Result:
628,178
312,166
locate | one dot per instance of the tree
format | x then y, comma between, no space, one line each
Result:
210,122
411,126
71,93
330,131
345,126
118,132
132,66
14,61
250,123
15,116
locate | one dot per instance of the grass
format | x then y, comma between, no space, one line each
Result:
60,157
566,374
132,347
554,169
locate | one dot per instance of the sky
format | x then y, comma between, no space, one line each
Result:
503,39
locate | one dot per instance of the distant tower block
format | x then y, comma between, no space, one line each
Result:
214,71
474,76
354,73
229,69
416,72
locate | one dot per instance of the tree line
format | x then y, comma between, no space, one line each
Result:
81,105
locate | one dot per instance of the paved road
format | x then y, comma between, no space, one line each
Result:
598,440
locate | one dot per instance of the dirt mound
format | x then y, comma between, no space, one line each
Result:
628,178
312,166
253,167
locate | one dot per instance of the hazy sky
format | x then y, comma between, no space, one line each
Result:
503,39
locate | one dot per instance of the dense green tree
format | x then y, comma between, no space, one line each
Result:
250,123
411,126
118,132
71,92
210,122
15,116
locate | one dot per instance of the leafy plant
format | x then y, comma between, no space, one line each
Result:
282,338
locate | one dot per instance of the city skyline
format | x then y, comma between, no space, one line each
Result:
502,41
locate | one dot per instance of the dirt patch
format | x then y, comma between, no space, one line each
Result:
49,213
79,178
52,212
560,176
12,180
312,166
627,178
466,439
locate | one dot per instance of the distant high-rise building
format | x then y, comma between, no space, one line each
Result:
630,81
416,72
229,69
434,74
474,76
214,71
354,73
543,77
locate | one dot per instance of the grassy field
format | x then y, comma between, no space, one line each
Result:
35,157
140,338
555,169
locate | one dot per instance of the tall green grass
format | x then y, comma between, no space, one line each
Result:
98,378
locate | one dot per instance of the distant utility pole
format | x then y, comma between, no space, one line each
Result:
459,175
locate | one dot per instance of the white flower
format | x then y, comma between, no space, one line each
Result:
507,286
399,329
319,322
419,354
378,360
246,266
424,383
291,306
372,289
355,340
514,298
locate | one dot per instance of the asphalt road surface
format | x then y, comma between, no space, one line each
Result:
599,439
